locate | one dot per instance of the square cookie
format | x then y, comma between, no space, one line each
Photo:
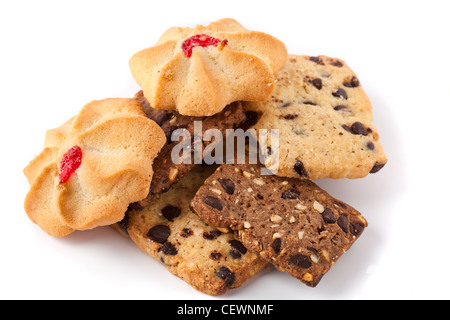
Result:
292,223
167,230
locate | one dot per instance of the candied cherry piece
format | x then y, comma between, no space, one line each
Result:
199,40
69,164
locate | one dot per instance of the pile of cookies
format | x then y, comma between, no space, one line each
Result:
215,225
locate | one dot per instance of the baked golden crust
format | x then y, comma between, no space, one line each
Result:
118,144
241,67
324,118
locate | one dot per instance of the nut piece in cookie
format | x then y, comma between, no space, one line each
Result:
198,71
292,223
93,167
324,119
167,230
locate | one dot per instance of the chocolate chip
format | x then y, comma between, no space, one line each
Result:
159,233
377,167
337,63
356,228
359,128
290,116
310,103
370,145
328,216
227,185
123,224
313,251
291,194
341,204
169,249
340,93
135,206
317,60
346,127
212,235
238,246
170,212
285,105
343,223
300,260
276,245
186,232
235,254
353,83
317,83
213,202
340,107
215,255
226,275
300,169
252,118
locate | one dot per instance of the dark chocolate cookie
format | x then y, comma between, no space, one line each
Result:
292,223
166,172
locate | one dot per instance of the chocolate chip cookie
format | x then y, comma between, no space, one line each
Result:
292,223
166,172
324,118
167,230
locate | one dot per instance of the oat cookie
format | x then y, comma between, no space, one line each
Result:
324,118
199,71
166,172
167,230
93,167
290,222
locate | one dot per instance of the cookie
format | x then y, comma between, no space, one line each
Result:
292,223
167,230
199,71
324,119
166,172
93,167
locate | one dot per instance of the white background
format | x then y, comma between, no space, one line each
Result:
56,56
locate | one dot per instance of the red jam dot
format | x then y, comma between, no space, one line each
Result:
199,40
69,164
